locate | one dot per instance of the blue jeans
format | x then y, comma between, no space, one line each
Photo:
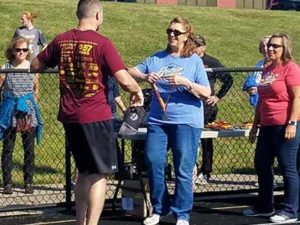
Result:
271,143
184,142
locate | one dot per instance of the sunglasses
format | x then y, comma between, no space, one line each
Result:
21,49
275,46
176,33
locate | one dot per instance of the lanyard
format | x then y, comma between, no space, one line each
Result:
163,105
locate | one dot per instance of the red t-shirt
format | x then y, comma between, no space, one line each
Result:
274,91
84,59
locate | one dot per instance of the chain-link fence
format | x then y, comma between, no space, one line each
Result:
54,168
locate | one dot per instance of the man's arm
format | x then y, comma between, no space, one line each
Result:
225,78
128,84
227,81
138,76
36,65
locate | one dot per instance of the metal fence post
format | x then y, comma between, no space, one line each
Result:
68,178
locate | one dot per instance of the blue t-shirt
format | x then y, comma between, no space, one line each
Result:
182,106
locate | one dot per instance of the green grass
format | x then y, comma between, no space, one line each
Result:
138,30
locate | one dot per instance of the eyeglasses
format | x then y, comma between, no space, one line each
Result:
21,49
275,46
176,33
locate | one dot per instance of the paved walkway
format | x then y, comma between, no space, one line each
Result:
55,193
213,210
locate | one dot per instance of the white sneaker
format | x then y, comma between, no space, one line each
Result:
152,220
201,179
182,222
282,218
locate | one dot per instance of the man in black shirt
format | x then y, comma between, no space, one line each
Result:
210,106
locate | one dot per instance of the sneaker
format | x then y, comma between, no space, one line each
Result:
282,218
253,212
7,190
152,220
28,189
202,178
207,177
182,222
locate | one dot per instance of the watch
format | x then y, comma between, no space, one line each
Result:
292,122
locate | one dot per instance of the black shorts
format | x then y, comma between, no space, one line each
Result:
93,146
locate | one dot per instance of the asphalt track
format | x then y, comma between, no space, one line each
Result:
220,210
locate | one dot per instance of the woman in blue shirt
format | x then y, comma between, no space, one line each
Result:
175,119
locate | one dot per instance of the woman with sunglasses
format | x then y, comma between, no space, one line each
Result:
277,114
19,113
175,119
35,36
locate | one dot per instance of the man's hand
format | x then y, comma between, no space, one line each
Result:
212,100
137,99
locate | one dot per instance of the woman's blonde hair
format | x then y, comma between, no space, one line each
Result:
189,45
29,15
9,53
287,54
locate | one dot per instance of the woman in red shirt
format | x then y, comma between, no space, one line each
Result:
277,114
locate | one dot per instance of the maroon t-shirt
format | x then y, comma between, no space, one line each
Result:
84,59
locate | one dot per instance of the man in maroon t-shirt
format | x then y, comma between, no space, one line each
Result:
85,58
